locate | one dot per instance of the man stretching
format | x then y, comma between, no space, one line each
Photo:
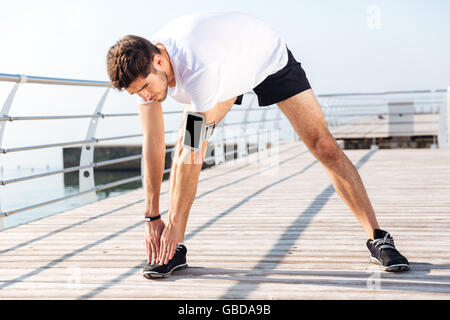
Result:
208,61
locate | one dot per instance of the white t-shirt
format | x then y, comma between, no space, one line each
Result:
219,56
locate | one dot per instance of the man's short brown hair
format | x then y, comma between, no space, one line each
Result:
128,59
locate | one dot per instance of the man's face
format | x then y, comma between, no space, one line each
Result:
153,87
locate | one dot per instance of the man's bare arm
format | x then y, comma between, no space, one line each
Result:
154,153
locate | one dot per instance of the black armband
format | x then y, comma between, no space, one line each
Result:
196,131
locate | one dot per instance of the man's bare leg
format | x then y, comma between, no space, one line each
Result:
306,116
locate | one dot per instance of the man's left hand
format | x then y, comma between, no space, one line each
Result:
171,236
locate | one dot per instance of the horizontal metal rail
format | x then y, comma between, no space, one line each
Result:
119,137
97,140
342,107
98,188
351,115
249,135
253,121
70,143
227,153
258,108
397,133
389,123
72,169
83,116
381,100
378,93
173,112
77,168
234,151
57,81
62,144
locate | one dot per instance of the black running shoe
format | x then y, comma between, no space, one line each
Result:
383,252
178,262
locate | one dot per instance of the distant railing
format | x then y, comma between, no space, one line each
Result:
389,114
87,188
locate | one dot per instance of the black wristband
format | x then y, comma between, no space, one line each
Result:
152,218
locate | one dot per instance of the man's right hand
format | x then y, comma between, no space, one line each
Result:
153,231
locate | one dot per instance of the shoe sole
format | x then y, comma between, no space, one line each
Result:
393,268
157,275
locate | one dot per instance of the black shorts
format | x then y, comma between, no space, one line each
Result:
281,85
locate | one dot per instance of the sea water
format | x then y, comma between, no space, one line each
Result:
31,192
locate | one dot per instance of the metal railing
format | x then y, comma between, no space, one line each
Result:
389,114
368,111
87,188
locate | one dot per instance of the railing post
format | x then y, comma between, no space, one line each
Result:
242,138
444,123
219,156
86,176
448,116
4,112
227,141
270,164
262,135
7,106
276,127
277,119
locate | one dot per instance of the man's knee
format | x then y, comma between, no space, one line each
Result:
326,149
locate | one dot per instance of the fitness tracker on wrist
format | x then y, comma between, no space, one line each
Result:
196,131
152,218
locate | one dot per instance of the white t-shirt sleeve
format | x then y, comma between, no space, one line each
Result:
204,87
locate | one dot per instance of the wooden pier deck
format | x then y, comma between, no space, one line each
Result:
256,231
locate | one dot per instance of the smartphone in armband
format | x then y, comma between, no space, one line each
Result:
196,131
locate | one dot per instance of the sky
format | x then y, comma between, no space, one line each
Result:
344,46
340,43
